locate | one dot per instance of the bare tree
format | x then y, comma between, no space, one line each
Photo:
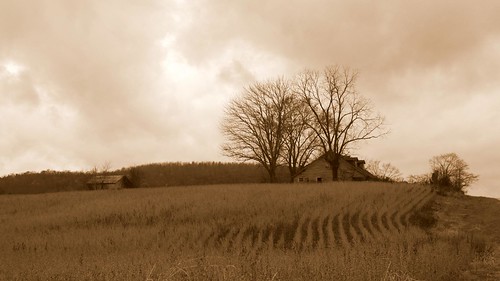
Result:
341,117
419,179
254,124
94,171
301,143
451,172
105,167
384,171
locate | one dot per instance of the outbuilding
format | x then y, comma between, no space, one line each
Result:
109,182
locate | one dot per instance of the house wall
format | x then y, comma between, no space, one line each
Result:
317,169
94,186
98,186
117,185
320,171
111,182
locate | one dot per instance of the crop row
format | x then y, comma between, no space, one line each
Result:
357,223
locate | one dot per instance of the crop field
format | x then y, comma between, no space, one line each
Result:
336,231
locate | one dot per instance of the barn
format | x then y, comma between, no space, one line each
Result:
350,169
109,182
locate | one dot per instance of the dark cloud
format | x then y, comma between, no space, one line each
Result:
236,73
361,33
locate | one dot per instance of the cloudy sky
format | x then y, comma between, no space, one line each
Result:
132,82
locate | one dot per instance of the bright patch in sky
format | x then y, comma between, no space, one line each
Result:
12,68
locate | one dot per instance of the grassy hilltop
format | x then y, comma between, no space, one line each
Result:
336,231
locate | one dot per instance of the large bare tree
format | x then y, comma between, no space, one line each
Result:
254,124
341,117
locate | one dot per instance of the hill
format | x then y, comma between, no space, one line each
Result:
472,216
334,231
149,175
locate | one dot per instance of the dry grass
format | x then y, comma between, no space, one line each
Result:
342,231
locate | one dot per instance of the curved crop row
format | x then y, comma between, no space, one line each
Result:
356,223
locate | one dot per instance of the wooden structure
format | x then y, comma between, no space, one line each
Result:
350,169
109,182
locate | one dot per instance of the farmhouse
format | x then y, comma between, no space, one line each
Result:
109,182
350,169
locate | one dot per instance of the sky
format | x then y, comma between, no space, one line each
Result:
125,82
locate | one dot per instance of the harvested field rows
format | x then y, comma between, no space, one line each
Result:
257,230
359,222
227,232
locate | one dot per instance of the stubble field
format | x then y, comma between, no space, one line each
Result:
337,231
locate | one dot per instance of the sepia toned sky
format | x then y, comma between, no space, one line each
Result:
133,82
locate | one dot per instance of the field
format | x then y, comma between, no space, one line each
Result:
339,231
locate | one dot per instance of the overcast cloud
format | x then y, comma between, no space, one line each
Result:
133,82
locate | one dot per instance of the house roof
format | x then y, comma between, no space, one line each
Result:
354,159
363,171
105,179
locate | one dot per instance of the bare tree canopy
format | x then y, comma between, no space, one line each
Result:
341,117
300,143
451,173
254,124
289,122
419,179
384,171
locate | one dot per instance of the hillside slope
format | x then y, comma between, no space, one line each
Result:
478,216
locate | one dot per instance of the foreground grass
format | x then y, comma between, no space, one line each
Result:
341,231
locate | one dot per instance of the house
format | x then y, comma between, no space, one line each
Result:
350,169
109,182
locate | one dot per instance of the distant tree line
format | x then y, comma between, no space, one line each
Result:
150,175
287,122
42,182
198,173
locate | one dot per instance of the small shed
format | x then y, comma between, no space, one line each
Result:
109,182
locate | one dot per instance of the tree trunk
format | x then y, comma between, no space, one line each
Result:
293,173
334,161
335,170
272,175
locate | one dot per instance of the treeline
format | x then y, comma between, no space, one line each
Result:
42,182
197,173
150,175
